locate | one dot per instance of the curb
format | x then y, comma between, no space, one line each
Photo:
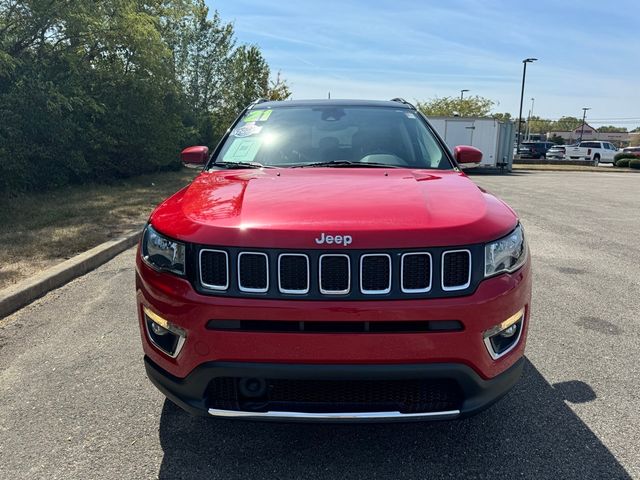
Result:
23,293
531,168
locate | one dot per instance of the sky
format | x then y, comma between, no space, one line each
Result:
588,51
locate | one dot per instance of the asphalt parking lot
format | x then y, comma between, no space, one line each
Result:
75,402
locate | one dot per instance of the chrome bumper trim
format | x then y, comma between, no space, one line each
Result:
347,416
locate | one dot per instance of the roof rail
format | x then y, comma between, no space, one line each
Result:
402,100
256,102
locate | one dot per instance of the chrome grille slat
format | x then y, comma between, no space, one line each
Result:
291,275
456,270
375,274
334,275
215,274
250,270
416,272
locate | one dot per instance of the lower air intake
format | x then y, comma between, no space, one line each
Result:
321,396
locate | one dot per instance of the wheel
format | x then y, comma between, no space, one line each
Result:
542,157
596,160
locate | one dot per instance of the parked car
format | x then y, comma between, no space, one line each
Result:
632,150
332,262
534,149
598,152
556,152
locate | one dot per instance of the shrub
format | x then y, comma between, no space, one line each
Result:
622,155
622,162
635,163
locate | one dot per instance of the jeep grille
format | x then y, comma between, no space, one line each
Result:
355,274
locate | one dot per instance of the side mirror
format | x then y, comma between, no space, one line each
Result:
467,156
194,155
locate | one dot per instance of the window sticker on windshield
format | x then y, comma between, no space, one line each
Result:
247,130
410,115
257,116
242,150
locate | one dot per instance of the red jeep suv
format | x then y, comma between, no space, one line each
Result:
333,263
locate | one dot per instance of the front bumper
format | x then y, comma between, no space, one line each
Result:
190,393
207,354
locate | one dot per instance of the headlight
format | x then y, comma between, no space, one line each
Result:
162,253
505,255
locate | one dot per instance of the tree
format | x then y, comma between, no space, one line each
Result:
612,129
102,90
558,140
473,106
540,125
278,89
502,117
565,124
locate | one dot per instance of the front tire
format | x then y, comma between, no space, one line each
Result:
596,160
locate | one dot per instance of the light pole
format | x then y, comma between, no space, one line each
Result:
462,93
584,115
524,74
529,120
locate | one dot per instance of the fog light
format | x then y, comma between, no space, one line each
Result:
157,329
509,331
164,335
503,338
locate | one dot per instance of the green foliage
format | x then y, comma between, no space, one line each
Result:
502,117
96,91
278,89
540,125
634,163
558,140
612,129
472,106
621,155
622,162
565,124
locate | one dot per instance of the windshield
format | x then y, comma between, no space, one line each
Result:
346,136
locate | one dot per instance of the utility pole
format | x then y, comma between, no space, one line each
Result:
462,93
524,74
584,115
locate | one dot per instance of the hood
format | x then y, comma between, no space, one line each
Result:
292,208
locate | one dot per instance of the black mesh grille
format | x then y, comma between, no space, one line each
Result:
406,396
253,271
416,272
334,273
455,270
294,273
214,269
376,273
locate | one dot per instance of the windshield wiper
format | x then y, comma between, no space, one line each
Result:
241,165
345,163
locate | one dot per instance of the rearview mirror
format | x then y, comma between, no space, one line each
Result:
194,155
467,156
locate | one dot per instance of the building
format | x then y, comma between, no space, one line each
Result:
590,133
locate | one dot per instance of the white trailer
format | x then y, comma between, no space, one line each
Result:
493,138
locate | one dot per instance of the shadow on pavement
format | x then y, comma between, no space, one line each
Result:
531,433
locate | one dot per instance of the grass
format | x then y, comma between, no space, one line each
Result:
42,229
